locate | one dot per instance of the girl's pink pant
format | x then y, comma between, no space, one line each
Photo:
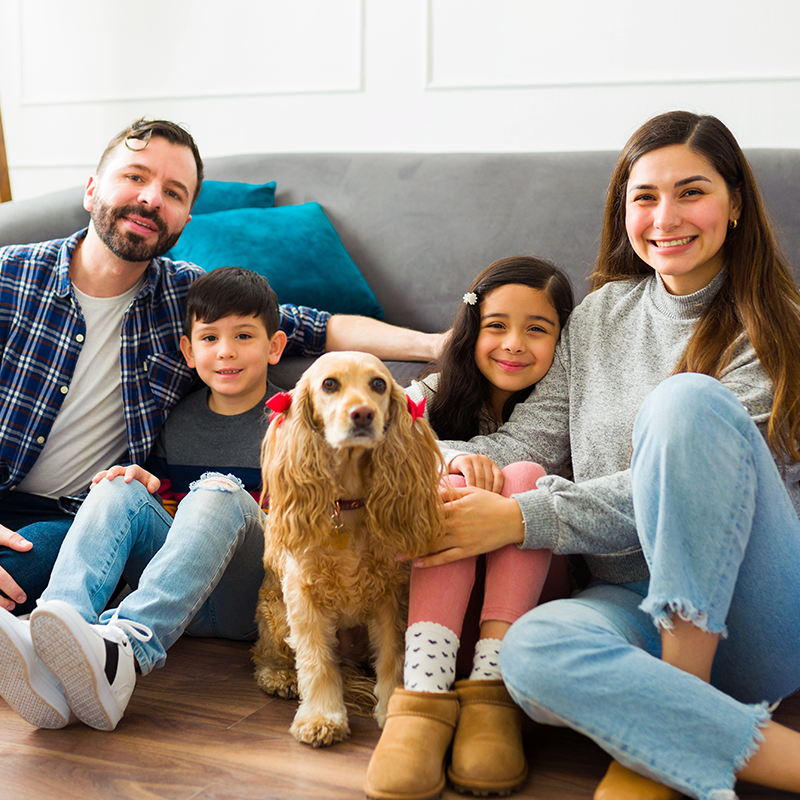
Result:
514,577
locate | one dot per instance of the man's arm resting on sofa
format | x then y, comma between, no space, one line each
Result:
387,342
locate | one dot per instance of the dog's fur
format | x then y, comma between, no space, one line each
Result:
347,434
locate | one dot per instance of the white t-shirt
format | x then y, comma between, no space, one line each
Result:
89,433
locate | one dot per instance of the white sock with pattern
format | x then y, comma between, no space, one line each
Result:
484,662
430,664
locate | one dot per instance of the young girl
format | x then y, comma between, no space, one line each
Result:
675,394
502,344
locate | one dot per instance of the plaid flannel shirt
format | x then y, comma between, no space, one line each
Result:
41,334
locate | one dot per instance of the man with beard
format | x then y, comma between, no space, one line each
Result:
90,329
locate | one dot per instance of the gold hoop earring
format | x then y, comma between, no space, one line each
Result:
733,223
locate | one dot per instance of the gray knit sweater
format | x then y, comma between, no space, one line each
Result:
619,343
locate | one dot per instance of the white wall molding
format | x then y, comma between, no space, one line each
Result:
193,49
524,44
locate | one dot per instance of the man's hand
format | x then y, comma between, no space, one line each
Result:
11,592
476,521
131,473
478,471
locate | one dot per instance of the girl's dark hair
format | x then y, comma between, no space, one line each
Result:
463,392
759,296
231,290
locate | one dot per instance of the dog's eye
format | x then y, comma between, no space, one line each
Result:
378,385
330,385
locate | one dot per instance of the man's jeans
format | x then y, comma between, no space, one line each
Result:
44,524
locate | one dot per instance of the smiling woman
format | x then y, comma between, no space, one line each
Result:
678,211
672,396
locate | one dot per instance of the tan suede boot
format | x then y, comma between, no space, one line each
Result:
487,749
408,762
621,783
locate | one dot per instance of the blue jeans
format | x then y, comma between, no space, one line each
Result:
722,541
200,572
42,522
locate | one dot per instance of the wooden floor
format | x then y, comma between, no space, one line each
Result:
200,728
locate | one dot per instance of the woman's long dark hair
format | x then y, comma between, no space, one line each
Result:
463,392
759,295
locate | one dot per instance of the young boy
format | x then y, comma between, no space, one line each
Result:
198,572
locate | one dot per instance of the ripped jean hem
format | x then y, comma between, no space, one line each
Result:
662,610
638,762
763,714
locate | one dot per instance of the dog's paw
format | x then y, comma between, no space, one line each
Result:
380,715
320,730
280,682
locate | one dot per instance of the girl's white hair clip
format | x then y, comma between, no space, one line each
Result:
470,298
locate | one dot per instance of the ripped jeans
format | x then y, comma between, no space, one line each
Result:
722,541
199,572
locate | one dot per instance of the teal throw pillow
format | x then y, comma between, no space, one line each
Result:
295,247
227,195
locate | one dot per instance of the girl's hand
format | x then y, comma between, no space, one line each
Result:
478,471
133,472
476,521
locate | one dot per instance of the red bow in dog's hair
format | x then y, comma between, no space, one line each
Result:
278,403
416,410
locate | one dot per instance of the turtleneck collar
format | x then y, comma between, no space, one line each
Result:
684,306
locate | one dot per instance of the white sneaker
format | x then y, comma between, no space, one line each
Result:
25,682
94,663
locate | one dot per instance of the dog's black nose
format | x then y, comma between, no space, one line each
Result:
362,416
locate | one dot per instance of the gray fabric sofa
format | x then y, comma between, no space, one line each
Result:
420,226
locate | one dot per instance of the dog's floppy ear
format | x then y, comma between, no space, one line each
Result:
403,502
296,473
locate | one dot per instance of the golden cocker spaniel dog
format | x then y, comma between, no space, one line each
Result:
351,470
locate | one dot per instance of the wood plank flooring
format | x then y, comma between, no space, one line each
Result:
201,729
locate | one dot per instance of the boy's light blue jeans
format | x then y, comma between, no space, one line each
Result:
200,572
722,541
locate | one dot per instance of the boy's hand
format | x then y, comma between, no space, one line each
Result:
133,472
478,471
8,586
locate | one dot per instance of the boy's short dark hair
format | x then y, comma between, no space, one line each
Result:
231,290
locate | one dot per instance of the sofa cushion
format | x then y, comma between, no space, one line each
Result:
227,195
295,247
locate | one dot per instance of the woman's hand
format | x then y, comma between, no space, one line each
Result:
8,586
133,472
479,471
476,521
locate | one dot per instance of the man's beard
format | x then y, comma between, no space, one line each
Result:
127,245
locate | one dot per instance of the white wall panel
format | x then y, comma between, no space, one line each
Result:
101,50
475,43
